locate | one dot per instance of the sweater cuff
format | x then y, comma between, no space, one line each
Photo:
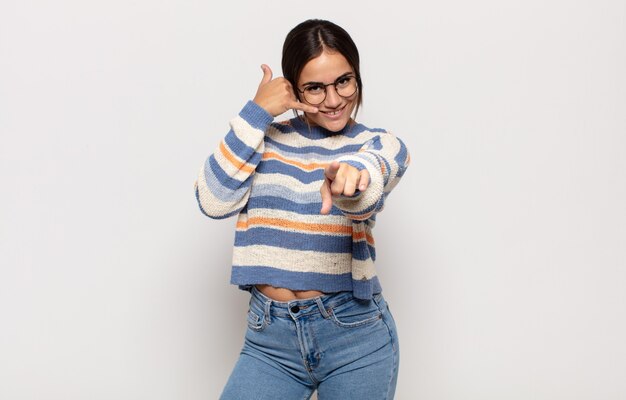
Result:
256,116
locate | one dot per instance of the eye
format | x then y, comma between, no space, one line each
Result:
314,89
343,81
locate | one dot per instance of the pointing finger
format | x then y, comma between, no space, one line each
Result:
303,107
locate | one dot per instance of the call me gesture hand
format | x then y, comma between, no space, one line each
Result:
276,95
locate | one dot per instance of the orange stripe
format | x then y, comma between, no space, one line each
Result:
306,226
363,235
240,165
329,228
308,167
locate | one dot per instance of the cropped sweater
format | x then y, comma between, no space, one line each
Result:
269,174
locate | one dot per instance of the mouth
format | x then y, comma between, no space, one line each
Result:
334,114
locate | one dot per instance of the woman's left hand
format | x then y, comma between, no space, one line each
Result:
341,178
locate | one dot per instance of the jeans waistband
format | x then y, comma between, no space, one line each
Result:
299,306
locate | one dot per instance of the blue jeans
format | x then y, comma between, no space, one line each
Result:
344,347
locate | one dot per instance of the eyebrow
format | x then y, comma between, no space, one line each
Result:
322,83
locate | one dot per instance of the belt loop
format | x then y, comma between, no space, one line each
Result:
320,304
268,305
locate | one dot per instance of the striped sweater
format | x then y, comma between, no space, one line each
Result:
269,174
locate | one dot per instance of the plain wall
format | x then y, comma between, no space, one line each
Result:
502,251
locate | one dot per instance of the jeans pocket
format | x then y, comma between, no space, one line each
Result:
256,322
355,313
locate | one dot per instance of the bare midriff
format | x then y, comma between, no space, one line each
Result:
282,294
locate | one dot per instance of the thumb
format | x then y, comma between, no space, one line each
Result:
267,74
327,199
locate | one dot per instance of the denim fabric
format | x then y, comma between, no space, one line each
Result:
344,347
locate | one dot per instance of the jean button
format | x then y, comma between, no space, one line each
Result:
295,309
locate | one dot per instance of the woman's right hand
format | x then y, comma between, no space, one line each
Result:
276,95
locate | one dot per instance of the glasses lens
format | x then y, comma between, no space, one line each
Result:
314,97
346,87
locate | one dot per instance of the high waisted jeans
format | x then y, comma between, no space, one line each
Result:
344,347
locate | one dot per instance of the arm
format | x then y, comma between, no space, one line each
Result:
385,158
224,182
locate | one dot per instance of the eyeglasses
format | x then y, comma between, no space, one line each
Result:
315,93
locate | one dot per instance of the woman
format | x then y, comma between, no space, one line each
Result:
306,192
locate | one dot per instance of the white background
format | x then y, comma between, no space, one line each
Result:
502,252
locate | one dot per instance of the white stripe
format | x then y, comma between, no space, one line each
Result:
287,181
329,143
363,269
293,260
286,193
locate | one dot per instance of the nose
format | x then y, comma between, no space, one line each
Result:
333,99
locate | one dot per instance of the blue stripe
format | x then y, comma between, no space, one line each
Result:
376,144
246,276
365,289
360,250
281,203
286,193
256,116
401,159
250,275
293,240
215,174
351,148
283,127
239,148
225,188
355,164
362,211
318,133
372,251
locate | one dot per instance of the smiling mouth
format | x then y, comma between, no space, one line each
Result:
334,112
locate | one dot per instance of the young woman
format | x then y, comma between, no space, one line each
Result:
306,192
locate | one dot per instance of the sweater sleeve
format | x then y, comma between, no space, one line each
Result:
224,181
386,158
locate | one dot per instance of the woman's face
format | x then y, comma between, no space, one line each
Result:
335,111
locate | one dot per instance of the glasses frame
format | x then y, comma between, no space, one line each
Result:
325,85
